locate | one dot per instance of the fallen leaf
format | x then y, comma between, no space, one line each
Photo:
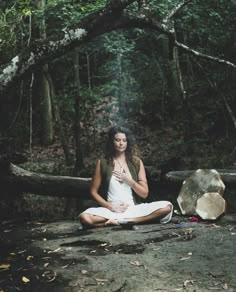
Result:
214,225
186,282
231,228
185,258
66,266
49,275
136,263
5,266
101,280
225,286
45,265
55,250
29,258
177,234
25,279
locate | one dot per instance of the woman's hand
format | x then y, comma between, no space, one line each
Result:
140,186
122,177
119,207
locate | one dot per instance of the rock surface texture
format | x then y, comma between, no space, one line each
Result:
178,256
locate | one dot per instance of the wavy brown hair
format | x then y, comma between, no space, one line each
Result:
131,150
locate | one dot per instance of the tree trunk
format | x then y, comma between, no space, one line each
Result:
79,164
58,120
44,91
170,71
45,109
88,69
71,203
31,114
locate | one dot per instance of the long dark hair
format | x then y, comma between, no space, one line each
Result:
131,150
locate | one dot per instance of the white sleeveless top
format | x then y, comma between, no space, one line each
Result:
120,192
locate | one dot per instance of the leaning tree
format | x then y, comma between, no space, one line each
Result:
103,17
114,15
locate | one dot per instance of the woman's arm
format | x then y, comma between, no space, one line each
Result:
96,182
140,187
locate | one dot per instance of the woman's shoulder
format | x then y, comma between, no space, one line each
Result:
137,160
102,160
104,164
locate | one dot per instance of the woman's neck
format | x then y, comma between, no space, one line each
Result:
120,156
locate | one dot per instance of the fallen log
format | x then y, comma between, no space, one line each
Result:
227,175
66,186
43,184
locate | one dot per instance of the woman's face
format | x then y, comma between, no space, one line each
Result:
120,142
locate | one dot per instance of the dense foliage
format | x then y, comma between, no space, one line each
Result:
137,68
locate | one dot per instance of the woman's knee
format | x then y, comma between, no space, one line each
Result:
85,218
169,208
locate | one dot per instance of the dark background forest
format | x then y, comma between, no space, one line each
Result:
165,69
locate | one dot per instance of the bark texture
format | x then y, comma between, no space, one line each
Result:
42,184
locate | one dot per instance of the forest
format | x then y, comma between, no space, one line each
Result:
72,68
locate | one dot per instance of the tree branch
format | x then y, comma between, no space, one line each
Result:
42,52
106,19
203,56
218,91
175,10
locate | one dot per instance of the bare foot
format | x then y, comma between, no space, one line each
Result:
112,222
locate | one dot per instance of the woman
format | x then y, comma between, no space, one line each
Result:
119,186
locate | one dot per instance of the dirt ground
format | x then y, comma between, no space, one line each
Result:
178,256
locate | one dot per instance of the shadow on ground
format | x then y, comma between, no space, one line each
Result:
178,256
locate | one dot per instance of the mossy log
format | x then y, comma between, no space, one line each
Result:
227,175
44,184
24,181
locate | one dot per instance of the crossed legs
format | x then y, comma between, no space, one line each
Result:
98,221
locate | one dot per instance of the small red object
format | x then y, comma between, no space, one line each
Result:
193,219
